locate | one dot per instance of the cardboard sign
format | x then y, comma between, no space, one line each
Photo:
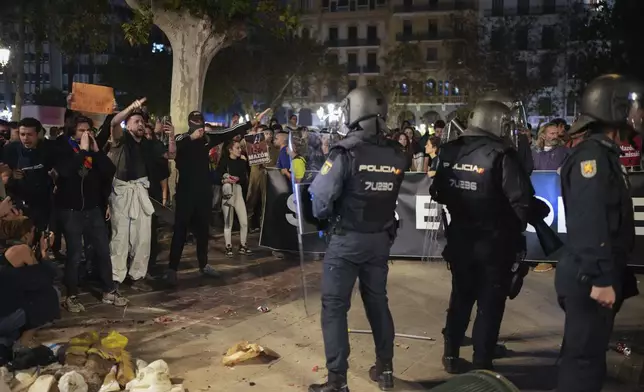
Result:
257,149
91,98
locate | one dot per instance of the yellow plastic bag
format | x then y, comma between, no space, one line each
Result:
114,340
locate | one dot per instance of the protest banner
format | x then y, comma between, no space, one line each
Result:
91,98
257,149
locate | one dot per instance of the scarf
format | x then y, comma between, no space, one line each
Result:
87,162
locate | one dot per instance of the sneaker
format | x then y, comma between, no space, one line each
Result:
73,305
209,271
171,278
229,251
543,267
115,298
278,255
141,285
254,230
243,250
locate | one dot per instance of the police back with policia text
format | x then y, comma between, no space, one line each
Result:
357,190
488,194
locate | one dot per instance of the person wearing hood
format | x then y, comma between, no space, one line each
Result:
357,190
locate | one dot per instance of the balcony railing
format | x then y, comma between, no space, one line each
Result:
353,69
427,36
348,43
454,5
424,97
370,69
525,11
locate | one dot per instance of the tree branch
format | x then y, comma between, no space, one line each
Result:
282,90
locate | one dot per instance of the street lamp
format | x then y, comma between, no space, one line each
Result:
4,56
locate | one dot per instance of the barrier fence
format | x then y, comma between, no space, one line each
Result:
418,217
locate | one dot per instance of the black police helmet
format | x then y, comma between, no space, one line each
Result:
492,117
614,100
363,107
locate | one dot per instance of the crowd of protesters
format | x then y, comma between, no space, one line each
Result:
78,206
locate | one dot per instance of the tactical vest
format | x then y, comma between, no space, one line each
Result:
368,202
470,183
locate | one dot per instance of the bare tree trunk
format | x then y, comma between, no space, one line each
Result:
194,43
19,68
192,51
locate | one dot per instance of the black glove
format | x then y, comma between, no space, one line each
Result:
538,210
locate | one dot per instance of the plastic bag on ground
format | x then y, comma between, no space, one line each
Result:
154,378
71,382
110,384
243,351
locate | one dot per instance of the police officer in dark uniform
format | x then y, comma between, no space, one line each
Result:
592,279
357,190
519,140
489,195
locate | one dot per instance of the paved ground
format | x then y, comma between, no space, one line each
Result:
197,323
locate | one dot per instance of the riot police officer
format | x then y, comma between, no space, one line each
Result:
592,279
520,122
357,190
488,194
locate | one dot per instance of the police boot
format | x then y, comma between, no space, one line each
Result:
335,383
383,374
482,364
452,362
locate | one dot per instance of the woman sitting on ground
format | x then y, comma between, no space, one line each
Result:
27,286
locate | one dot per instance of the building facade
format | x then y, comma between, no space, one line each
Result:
361,34
544,50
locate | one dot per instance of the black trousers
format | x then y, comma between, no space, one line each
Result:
91,225
193,214
586,336
351,256
483,283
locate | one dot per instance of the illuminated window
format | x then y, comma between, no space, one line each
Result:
404,88
446,90
430,87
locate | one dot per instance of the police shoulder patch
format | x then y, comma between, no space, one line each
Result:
589,168
326,167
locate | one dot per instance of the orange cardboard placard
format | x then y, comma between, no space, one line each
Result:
92,98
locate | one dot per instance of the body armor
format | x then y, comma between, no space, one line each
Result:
470,184
369,198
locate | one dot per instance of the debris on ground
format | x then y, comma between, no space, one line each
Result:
88,362
406,347
263,309
243,351
155,377
165,320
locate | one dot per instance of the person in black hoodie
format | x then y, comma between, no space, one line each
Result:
194,191
83,181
